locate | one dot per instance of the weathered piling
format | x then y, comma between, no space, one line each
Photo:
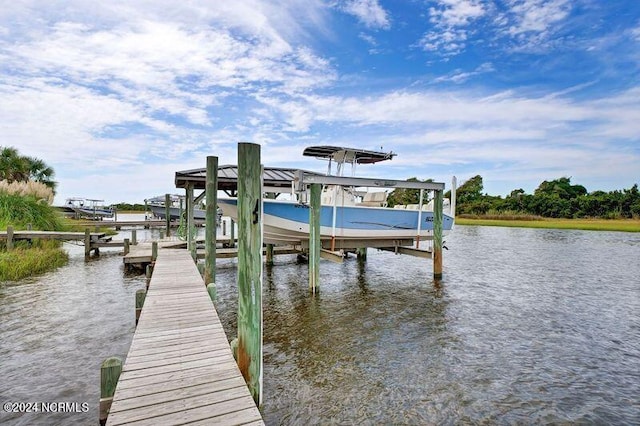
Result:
9,237
154,251
126,246
210,235
361,253
190,208
109,373
314,236
140,296
87,242
134,237
249,355
167,212
148,272
213,293
269,253
437,235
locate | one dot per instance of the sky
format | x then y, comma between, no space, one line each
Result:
117,96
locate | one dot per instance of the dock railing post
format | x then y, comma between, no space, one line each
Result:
109,373
232,233
9,237
314,237
210,230
269,259
189,224
87,242
249,354
437,235
167,212
140,296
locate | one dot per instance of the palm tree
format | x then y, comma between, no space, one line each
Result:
13,167
18,168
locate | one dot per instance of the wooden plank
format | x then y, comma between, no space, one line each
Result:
219,412
180,367
151,384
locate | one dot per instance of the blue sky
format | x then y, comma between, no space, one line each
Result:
119,95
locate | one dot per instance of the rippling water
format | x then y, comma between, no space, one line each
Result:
528,326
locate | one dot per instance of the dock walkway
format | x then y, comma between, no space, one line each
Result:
180,368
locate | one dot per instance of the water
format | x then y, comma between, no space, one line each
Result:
528,326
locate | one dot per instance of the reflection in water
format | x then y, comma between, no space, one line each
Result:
527,326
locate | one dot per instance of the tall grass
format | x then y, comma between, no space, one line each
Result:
24,262
19,211
33,189
624,225
22,205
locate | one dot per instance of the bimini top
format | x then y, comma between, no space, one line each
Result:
347,155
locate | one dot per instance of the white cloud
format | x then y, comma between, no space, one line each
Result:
369,12
458,76
450,19
537,15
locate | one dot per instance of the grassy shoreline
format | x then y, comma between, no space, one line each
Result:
623,225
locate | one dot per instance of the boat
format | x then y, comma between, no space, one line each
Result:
88,208
177,206
349,215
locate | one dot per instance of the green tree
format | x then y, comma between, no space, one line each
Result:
407,195
18,168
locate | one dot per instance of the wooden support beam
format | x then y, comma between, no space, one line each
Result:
210,230
190,208
409,251
87,242
9,237
154,251
314,237
249,356
232,233
334,256
126,246
167,213
134,237
437,235
109,374
269,255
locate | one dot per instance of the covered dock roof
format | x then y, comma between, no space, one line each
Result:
275,177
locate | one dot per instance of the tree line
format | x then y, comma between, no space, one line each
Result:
557,198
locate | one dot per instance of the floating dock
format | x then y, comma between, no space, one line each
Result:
180,368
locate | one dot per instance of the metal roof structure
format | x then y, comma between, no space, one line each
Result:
275,177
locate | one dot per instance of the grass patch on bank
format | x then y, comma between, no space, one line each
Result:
24,261
624,225
29,258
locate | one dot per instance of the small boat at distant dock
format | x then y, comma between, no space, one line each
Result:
177,206
87,208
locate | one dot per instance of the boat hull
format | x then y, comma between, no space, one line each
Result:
287,222
174,212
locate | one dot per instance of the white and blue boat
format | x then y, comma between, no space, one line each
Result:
88,208
347,213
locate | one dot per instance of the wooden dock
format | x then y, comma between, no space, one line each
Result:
180,368
140,255
52,235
